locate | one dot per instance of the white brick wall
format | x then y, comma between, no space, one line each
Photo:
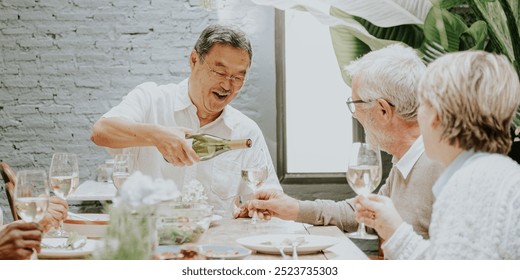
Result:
63,63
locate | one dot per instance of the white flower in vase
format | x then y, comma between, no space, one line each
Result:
132,232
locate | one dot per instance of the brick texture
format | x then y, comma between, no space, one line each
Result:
64,63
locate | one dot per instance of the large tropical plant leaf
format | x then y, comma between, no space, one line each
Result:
385,13
446,32
349,45
503,20
502,17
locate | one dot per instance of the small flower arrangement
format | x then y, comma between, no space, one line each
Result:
193,192
131,233
185,219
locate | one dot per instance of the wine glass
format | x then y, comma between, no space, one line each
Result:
255,173
64,179
123,168
363,176
31,196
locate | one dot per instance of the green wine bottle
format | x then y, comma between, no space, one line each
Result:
208,146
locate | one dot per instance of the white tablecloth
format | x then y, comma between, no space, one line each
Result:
92,190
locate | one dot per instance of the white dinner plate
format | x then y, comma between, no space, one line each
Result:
54,253
268,243
224,252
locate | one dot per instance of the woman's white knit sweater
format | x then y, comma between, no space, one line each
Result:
476,216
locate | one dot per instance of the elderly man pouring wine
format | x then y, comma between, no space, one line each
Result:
153,121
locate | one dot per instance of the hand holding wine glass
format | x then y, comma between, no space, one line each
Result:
64,178
364,174
31,196
255,173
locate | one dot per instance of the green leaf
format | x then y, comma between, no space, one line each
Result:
442,31
356,36
503,20
385,13
347,48
478,35
351,39
499,33
444,28
446,4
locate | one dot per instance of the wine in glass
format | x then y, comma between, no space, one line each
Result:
31,196
123,168
255,173
64,178
363,176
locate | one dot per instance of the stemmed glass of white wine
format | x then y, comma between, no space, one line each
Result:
31,196
123,168
255,173
364,175
64,179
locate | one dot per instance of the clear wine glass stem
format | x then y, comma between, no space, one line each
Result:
255,218
34,255
61,232
361,233
361,229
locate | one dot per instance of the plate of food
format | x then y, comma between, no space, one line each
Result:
273,243
217,252
64,248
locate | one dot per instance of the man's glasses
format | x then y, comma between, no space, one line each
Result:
236,81
351,104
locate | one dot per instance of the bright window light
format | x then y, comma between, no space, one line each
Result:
319,126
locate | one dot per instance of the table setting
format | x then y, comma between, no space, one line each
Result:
152,219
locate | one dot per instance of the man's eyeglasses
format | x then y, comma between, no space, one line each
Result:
236,81
351,104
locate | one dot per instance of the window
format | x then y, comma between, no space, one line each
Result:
314,125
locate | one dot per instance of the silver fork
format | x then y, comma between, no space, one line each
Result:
280,248
295,243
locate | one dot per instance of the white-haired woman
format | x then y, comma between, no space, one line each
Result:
467,101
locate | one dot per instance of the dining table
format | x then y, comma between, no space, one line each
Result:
226,232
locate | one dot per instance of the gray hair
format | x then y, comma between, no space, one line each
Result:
391,73
476,95
222,34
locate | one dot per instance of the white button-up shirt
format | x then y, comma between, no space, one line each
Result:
170,105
